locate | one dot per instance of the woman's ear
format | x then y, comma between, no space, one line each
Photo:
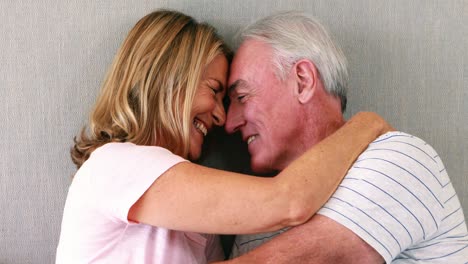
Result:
306,75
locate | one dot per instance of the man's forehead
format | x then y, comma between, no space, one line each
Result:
252,46
249,53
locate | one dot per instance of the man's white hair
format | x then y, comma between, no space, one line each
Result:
295,36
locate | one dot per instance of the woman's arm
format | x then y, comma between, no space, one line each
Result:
194,198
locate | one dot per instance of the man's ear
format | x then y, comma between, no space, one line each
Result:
306,75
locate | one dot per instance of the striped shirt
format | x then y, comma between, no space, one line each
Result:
399,199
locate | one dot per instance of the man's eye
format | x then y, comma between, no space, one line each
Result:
240,98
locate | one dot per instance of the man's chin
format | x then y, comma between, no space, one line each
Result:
261,168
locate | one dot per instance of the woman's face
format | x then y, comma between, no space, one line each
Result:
207,109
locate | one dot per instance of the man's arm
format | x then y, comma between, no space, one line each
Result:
391,198
320,240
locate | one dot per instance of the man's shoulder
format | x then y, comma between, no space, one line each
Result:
399,138
400,146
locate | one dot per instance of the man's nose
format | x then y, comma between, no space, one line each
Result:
234,120
219,115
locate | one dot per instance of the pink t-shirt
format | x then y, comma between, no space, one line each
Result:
95,228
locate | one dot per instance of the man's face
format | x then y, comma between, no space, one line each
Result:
263,107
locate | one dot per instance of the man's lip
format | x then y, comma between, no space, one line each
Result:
247,137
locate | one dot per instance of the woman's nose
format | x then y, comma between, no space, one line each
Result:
219,115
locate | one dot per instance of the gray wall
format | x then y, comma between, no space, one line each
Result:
407,62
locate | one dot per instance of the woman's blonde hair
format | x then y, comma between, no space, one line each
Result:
148,92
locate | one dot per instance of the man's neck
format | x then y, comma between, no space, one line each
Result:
320,121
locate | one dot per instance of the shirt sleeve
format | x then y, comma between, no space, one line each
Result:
391,196
120,173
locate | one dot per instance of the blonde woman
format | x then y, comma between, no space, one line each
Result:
137,199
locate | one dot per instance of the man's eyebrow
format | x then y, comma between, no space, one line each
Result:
234,86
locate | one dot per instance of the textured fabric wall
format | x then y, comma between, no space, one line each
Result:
407,62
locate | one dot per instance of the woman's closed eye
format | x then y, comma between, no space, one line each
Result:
215,90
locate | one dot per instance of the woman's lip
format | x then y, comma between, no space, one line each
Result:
200,126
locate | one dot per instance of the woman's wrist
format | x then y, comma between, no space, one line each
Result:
374,121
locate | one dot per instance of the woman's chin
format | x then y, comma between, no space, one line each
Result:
196,142
194,153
